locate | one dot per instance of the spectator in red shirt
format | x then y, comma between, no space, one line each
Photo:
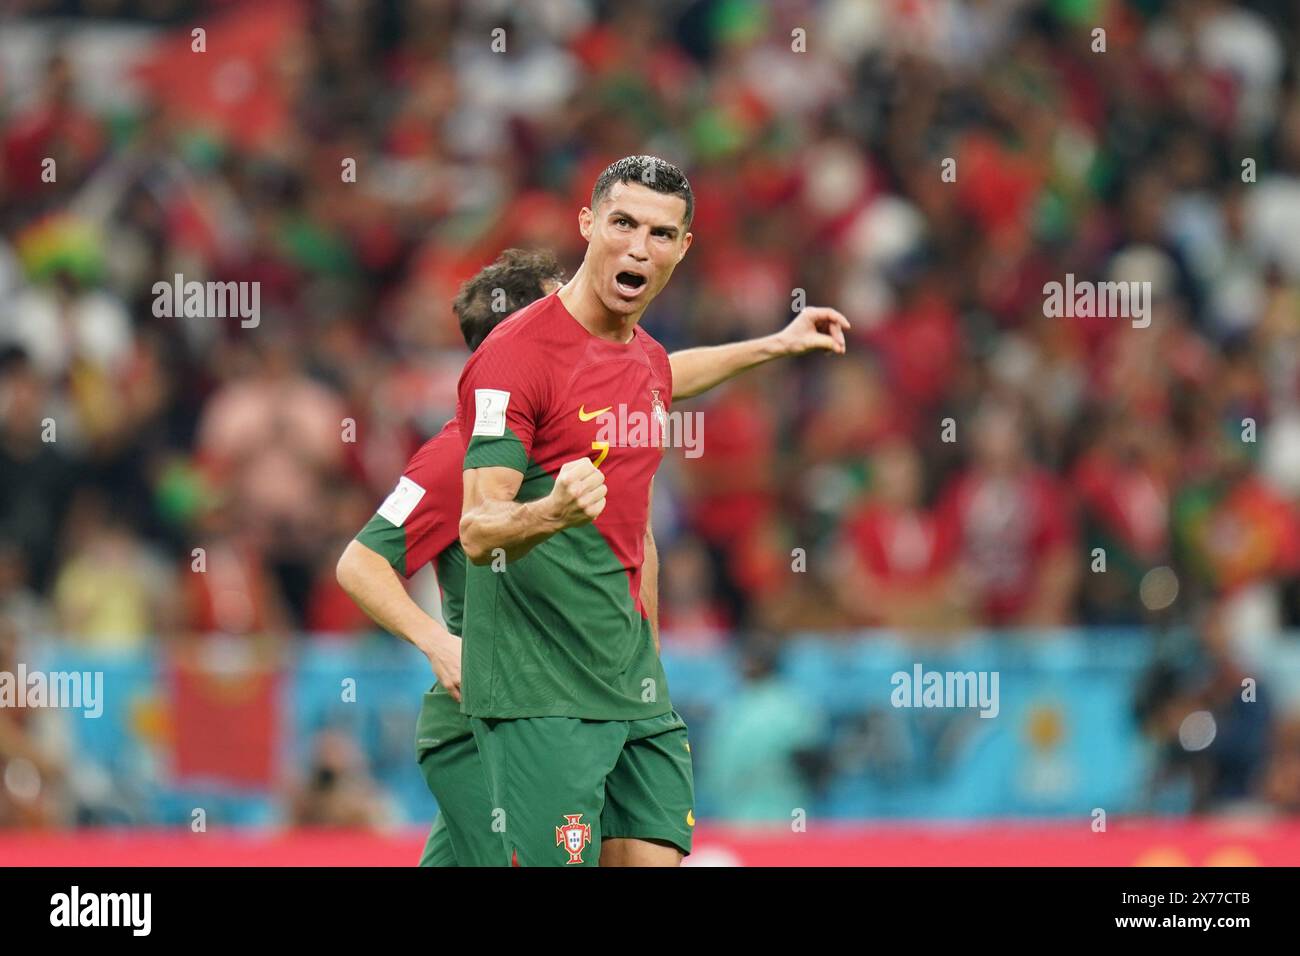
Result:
53,127
1124,483
895,561
1014,528
228,587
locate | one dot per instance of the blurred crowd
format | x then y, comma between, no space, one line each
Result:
924,167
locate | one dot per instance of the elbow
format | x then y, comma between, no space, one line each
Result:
342,574
345,571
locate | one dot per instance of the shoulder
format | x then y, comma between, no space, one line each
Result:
515,345
655,353
432,450
651,345
535,323
438,461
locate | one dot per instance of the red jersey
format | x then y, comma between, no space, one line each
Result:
561,631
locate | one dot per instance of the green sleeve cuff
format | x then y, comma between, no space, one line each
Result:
387,540
491,452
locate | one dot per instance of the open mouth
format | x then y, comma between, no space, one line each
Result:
629,283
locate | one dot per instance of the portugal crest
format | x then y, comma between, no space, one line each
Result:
661,418
573,836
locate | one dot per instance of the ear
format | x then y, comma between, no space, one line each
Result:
686,244
586,220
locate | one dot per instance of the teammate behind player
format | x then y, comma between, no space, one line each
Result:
417,525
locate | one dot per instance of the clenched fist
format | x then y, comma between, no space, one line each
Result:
579,494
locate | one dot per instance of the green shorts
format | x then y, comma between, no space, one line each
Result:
465,832
437,847
564,784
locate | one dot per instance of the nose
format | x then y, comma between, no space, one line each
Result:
637,247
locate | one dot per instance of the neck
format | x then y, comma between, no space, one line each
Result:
580,298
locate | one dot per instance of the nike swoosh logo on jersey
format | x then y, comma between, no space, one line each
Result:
586,416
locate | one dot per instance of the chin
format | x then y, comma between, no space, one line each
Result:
620,306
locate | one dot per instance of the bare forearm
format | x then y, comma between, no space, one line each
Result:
815,328
376,588
650,586
700,369
513,527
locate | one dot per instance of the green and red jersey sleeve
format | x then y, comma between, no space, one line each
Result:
504,392
419,522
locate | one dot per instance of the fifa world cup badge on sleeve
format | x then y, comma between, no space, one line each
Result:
490,412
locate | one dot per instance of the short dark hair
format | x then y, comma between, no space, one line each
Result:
504,287
651,172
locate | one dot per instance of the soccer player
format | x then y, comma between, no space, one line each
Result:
584,756
418,524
